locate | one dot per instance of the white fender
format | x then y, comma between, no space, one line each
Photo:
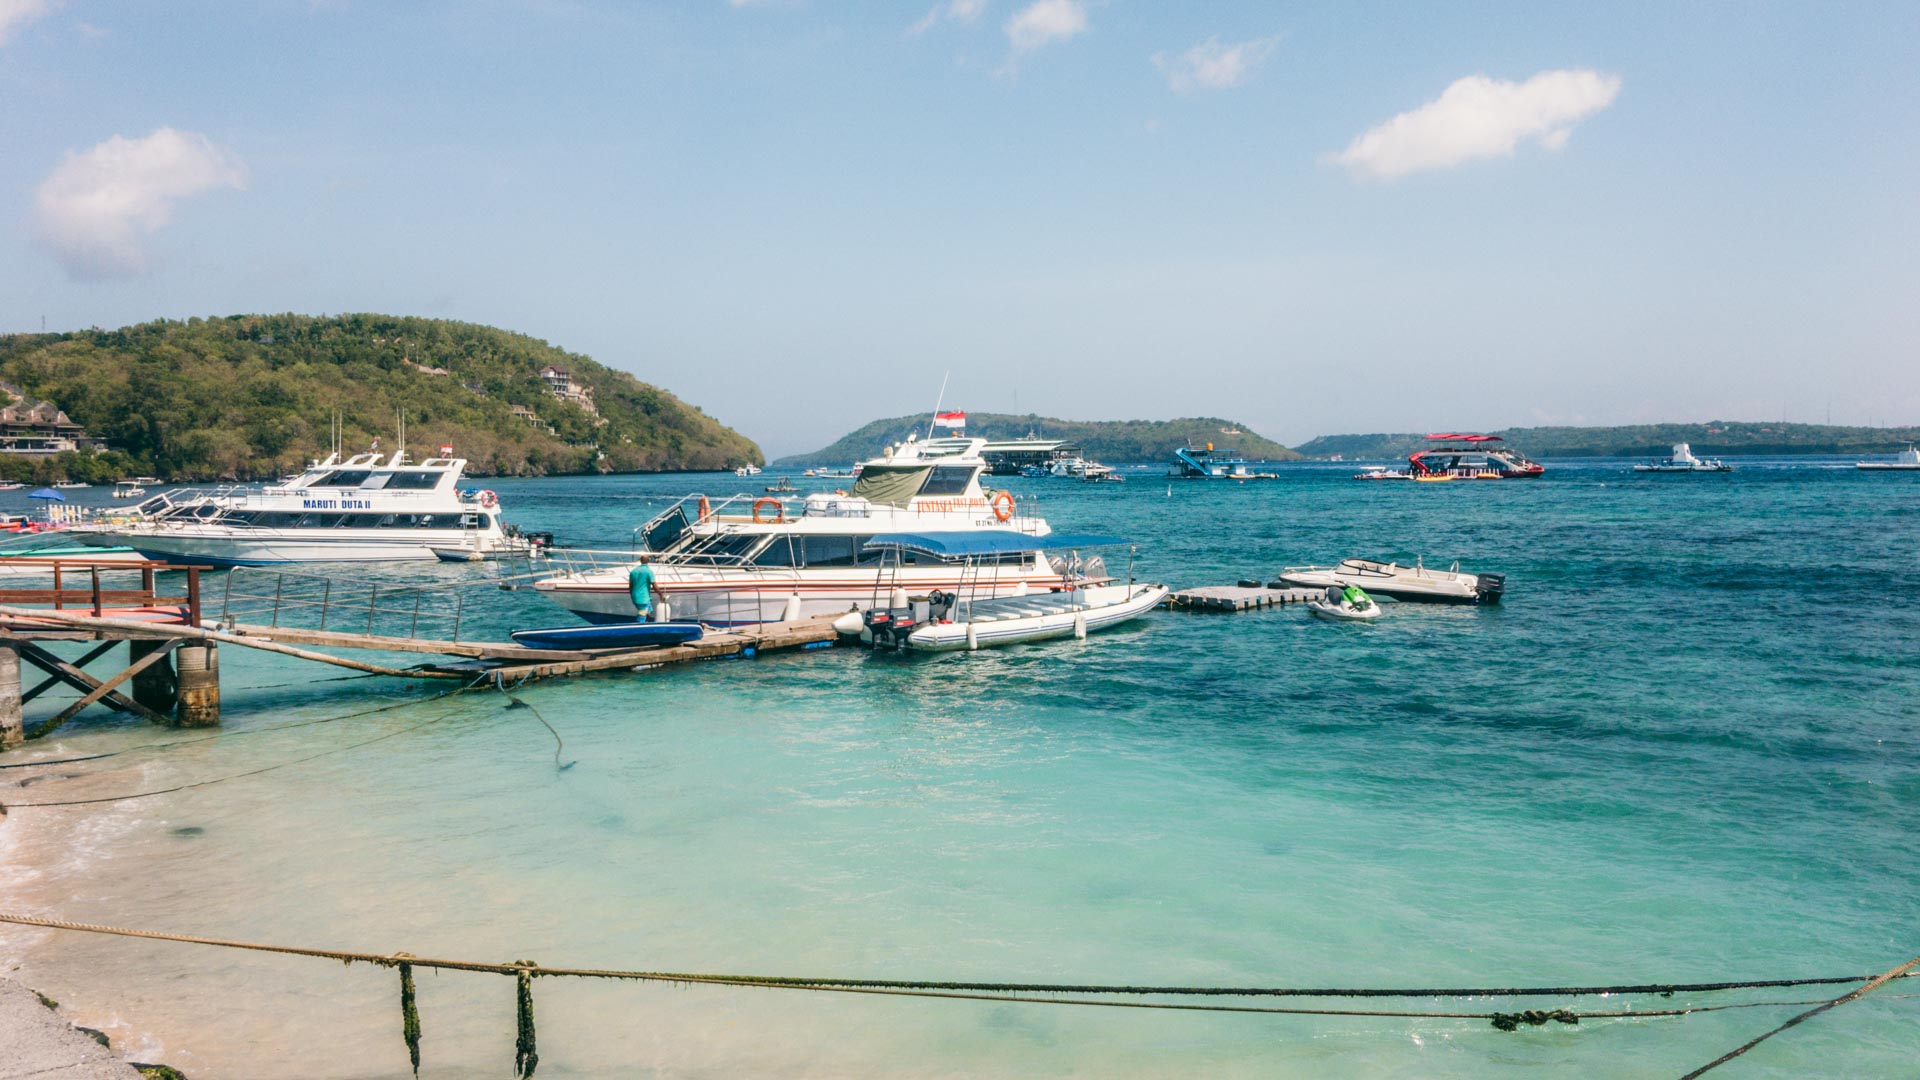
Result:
1020,587
662,611
791,613
897,598
849,625
973,638
1080,627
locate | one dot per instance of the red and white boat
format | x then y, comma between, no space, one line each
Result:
752,560
1462,457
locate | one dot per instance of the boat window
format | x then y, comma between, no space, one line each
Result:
376,481
829,550
664,532
238,517
483,521
206,511
779,553
731,547
343,478
948,480
413,481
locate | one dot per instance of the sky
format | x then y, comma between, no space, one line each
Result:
802,215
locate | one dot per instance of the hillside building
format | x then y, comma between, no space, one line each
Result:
38,427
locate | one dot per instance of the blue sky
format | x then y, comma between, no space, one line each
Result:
800,215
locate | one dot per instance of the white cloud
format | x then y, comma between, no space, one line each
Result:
1479,117
965,11
96,207
17,13
1046,21
1213,66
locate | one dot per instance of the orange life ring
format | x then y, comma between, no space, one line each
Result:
489,500
1002,505
779,511
705,510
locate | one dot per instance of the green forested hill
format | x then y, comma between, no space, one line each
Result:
252,396
1645,440
1110,441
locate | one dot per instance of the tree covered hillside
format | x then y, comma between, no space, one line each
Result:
253,396
1111,441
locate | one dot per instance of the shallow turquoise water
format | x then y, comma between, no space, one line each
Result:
1683,749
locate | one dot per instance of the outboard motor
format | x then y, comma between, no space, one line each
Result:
1488,587
889,627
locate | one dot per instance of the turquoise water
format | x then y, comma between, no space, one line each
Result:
1683,749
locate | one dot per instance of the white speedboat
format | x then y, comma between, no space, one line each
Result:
363,509
747,470
966,619
134,488
1683,461
1907,461
1413,583
751,560
1381,472
71,485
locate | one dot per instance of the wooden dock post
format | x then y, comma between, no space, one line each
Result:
154,685
199,686
13,730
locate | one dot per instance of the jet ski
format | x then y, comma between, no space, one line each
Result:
1337,607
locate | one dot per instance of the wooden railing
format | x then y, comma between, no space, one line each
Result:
91,594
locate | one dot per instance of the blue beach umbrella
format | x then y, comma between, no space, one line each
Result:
47,493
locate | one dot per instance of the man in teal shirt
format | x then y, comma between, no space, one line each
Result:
640,587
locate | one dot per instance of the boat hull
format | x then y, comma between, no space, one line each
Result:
721,598
1411,584
1126,603
284,547
632,635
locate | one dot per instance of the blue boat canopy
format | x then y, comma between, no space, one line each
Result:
47,493
985,542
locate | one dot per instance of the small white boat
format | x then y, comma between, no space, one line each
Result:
747,470
70,485
1381,472
130,489
1908,461
1413,583
1683,461
945,622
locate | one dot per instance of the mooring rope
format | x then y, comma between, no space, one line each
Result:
559,744
1857,992
524,971
268,730
410,728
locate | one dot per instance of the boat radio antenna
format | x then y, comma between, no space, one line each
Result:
939,401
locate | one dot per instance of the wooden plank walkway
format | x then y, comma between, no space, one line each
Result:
1237,598
718,643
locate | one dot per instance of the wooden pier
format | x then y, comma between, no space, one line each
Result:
173,655
1237,598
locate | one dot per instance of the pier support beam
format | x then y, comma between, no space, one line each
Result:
199,682
12,728
154,685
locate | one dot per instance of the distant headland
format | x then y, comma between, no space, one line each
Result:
1643,440
1111,441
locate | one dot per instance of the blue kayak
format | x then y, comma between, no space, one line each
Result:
609,636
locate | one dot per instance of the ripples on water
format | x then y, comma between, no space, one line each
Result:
1682,749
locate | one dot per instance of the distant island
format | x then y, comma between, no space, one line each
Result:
1718,437
250,397
1110,441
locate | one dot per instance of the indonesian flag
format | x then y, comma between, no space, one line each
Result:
446,450
953,421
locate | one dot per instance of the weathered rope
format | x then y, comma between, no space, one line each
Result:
855,984
526,1055
559,744
168,744
409,729
1860,991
